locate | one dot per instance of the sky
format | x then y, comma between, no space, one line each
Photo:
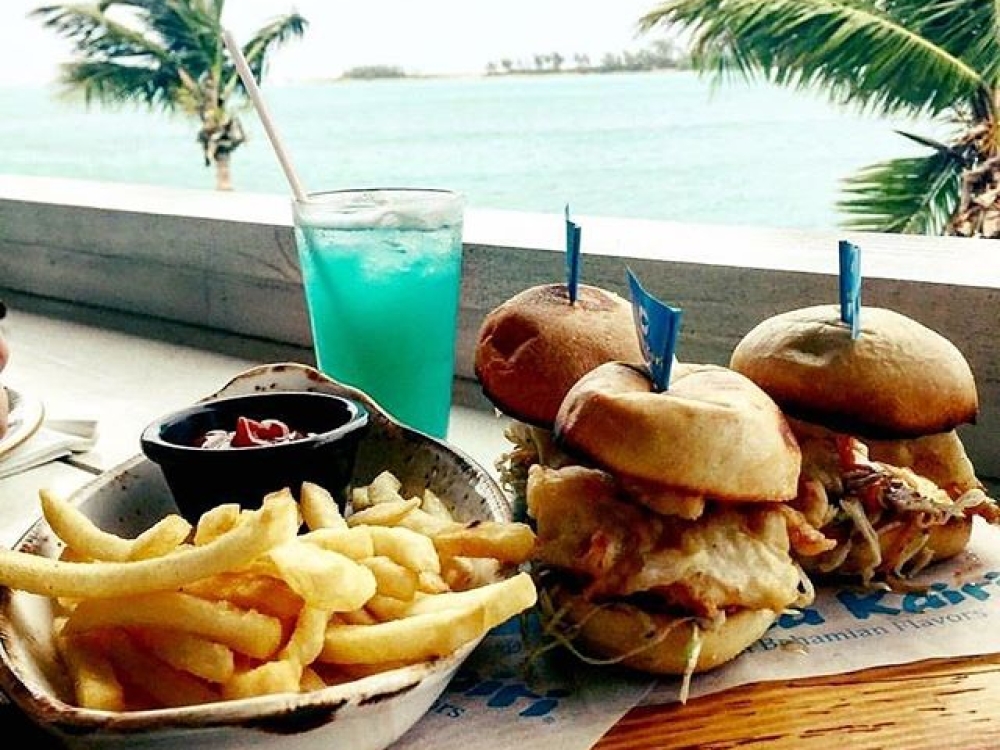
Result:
420,36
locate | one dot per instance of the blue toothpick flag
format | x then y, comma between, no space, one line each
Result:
850,286
657,325
572,257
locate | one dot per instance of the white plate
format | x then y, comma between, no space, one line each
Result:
368,714
23,420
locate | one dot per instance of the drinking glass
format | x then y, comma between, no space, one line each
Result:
381,270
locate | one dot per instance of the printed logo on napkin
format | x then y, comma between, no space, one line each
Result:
503,699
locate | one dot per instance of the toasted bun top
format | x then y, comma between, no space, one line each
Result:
536,345
713,432
897,379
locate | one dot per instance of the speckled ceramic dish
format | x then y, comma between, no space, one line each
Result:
368,714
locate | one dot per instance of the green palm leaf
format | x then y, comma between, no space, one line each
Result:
853,49
967,30
914,195
257,50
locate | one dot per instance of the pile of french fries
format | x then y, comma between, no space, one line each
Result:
293,596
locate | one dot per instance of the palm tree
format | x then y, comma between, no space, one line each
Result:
937,59
167,55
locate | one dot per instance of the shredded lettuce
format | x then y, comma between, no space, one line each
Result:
856,512
693,651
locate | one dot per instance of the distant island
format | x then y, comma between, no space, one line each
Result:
663,54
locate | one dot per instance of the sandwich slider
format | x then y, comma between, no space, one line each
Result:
532,349
665,546
884,472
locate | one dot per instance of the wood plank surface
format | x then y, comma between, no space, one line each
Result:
946,703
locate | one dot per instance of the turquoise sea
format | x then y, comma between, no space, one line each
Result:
647,145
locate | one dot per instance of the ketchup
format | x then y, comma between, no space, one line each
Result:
250,433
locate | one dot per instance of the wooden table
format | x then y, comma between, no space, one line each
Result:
124,380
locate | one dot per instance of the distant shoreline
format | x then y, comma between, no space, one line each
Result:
664,54
475,76
409,77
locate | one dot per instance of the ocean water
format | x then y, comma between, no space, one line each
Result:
645,145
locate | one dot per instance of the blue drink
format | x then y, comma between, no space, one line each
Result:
381,271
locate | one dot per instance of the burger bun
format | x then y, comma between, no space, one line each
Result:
536,345
713,432
898,379
657,643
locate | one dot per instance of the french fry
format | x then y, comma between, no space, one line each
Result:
164,537
319,508
350,672
428,524
274,523
215,522
324,579
392,579
429,582
433,505
507,542
384,608
248,632
501,600
199,656
269,678
384,489
358,616
306,640
461,573
311,680
263,593
359,498
356,543
169,687
415,638
81,535
408,548
94,682
387,513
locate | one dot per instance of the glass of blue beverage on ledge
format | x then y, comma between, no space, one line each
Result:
381,270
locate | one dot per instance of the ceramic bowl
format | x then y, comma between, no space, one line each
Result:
368,714
321,447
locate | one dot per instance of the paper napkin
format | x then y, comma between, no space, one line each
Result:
55,439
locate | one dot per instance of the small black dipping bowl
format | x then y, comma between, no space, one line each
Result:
201,478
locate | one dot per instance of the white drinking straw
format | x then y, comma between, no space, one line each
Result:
258,102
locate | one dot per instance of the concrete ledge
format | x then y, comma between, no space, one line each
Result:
227,262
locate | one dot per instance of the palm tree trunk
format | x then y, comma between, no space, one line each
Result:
978,213
223,178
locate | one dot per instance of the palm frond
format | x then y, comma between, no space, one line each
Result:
968,30
851,49
95,35
913,195
923,140
115,63
257,50
109,83
273,35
